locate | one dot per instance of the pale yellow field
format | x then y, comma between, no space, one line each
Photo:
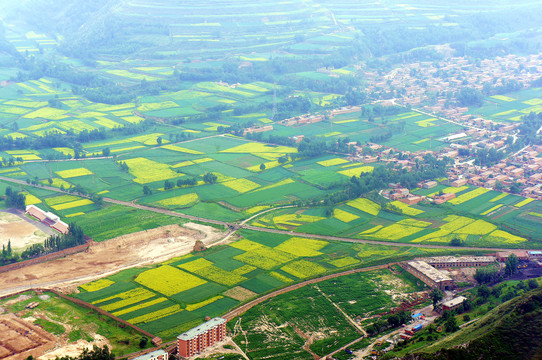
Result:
344,216
66,174
357,171
332,162
168,280
241,185
365,205
146,171
179,200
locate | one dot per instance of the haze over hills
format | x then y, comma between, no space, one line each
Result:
164,29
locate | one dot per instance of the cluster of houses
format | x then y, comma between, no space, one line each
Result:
47,218
420,80
522,169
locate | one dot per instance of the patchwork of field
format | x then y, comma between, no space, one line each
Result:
178,294
242,190
512,106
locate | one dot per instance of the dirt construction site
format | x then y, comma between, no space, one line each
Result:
20,339
108,257
18,232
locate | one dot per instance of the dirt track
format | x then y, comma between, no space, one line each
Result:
141,248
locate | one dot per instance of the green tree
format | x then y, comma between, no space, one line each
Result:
456,241
283,159
106,152
436,295
262,166
168,185
511,266
147,190
484,292
451,324
159,140
210,178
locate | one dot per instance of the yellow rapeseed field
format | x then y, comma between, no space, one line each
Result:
156,315
47,113
264,257
478,227
66,174
344,216
219,275
345,261
302,247
295,219
246,245
498,197
31,199
357,171
196,264
179,200
280,277
468,196
147,171
75,214
498,206
72,204
332,162
524,202
97,285
241,185
365,205
199,305
140,306
503,236
303,269
168,280
245,269
405,209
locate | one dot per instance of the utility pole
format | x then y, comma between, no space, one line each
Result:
274,113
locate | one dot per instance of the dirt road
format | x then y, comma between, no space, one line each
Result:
243,225
108,257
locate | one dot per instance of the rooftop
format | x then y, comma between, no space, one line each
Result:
458,259
150,355
201,329
429,271
454,302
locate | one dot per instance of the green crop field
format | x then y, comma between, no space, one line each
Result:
210,283
284,318
511,107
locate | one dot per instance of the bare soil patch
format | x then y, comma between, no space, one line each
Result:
240,293
20,338
76,348
21,233
108,257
